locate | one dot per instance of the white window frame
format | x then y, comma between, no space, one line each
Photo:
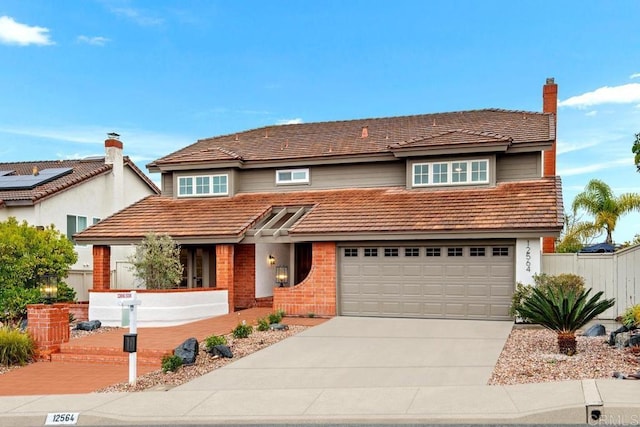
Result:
77,228
417,180
211,186
293,180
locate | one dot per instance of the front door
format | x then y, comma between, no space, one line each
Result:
302,261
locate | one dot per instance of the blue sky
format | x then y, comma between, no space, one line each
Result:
166,73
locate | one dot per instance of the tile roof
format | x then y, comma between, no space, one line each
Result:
517,206
83,170
345,138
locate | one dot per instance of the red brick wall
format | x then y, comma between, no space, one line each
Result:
244,280
80,311
225,271
101,267
48,325
317,293
550,105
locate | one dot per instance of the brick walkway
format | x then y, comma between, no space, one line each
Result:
59,377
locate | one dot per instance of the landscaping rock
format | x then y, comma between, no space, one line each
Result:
622,329
596,330
634,340
278,327
187,351
90,325
222,351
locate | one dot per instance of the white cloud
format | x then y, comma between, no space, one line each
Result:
12,32
96,40
592,113
624,94
138,16
634,76
596,167
295,121
569,147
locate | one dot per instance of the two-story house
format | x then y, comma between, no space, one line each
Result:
431,215
72,195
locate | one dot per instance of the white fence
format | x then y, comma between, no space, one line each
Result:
616,274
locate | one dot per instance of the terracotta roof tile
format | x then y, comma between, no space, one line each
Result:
340,138
530,205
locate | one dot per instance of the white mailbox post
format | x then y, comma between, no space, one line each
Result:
131,339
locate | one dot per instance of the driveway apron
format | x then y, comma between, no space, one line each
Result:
354,352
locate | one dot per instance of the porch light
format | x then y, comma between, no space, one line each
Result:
49,288
271,260
282,275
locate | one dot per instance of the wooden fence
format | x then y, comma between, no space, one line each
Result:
616,274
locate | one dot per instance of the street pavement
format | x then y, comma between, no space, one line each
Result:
354,370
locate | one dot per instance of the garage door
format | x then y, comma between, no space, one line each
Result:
465,281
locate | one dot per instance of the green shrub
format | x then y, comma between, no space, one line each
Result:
311,315
171,363
565,282
631,316
276,317
215,340
16,347
242,330
13,303
65,293
263,324
519,296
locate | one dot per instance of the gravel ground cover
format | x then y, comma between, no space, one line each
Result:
531,356
157,380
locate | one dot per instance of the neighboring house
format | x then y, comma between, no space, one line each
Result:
433,215
73,195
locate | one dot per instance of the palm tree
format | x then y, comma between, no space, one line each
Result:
564,312
598,200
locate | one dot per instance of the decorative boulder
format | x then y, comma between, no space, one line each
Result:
88,325
634,340
596,330
278,327
222,351
620,330
187,351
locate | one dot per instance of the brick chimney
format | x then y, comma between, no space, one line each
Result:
550,105
113,156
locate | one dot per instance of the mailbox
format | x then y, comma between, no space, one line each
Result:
130,343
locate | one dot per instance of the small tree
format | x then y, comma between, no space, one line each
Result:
157,262
26,254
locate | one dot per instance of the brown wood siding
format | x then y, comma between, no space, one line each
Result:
167,184
326,177
517,167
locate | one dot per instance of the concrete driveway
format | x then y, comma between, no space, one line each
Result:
357,352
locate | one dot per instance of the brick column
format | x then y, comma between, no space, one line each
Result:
317,293
48,325
225,272
101,268
244,277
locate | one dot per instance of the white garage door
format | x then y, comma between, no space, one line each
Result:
464,281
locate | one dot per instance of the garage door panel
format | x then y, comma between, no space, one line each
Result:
476,287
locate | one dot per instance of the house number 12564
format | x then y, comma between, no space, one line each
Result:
527,256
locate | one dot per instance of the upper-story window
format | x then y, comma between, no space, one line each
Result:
75,224
452,173
292,176
203,185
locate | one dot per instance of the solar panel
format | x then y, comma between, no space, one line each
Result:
29,182
3,173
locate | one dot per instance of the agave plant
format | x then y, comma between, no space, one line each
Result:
564,312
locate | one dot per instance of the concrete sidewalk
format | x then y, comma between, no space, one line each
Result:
354,370
562,402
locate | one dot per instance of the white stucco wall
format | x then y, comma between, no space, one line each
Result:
159,308
92,199
528,259
265,273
